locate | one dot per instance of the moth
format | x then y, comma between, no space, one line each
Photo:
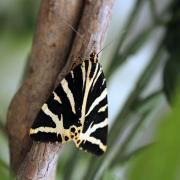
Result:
76,110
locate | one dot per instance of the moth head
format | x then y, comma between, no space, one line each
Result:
94,57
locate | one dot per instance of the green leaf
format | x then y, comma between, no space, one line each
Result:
127,27
172,43
172,40
161,161
4,171
140,85
109,175
172,76
132,48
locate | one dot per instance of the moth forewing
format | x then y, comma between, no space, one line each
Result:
76,110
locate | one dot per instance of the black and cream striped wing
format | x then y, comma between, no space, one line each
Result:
94,110
76,110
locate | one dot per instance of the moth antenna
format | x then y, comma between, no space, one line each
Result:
105,46
68,24
93,49
64,20
110,43
73,29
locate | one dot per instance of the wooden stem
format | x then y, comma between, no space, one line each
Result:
53,54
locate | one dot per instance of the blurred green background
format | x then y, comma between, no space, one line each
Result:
142,67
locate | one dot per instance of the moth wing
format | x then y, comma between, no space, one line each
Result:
60,113
76,110
93,137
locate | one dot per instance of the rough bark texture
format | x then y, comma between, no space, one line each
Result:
53,55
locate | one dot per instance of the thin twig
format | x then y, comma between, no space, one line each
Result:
140,85
126,157
127,28
120,57
154,12
143,102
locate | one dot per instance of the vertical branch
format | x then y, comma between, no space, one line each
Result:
92,28
48,66
49,51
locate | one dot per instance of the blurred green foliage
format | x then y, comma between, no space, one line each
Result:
17,19
162,159
4,171
18,16
172,43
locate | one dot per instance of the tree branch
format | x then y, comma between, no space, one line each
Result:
49,52
51,47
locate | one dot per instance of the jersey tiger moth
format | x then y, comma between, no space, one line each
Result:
76,110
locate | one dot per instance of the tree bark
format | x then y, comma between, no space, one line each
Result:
54,52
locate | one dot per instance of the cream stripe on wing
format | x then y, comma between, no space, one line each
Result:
43,129
53,116
59,129
104,80
97,126
72,74
59,122
93,140
69,94
86,136
83,72
57,98
92,129
95,72
99,73
97,101
102,109
87,88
